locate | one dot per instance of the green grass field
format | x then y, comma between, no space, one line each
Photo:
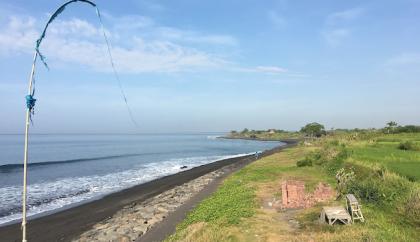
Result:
384,150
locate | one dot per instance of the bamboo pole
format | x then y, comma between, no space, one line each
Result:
25,157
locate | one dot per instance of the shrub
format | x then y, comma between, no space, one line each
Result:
367,190
380,186
304,162
334,143
344,178
408,145
412,206
331,158
313,130
333,166
335,159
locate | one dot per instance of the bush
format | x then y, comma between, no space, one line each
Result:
334,142
366,190
331,158
408,145
334,159
412,206
313,130
344,178
305,162
380,186
408,129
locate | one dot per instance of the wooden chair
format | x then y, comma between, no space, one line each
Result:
354,208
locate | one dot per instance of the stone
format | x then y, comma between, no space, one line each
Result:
162,209
146,215
140,228
124,239
136,218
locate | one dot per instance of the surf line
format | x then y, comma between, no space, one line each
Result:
30,100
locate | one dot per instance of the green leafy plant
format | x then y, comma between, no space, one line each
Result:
304,162
344,179
408,145
313,130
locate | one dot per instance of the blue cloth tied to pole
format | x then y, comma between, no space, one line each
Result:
30,102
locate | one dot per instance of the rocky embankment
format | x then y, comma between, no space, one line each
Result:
136,219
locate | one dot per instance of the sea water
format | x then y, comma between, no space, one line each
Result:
70,169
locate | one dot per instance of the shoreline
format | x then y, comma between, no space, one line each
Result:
161,230
69,224
287,141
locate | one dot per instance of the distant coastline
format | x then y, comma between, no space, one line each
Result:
265,135
287,141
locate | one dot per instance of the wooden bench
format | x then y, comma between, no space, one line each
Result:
332,215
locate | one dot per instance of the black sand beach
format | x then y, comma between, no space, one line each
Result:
68,224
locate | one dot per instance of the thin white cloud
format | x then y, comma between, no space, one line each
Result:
271,69
18,35
262,69
138,45
195,37
337,27
129,22
77,41
334,37
148,27
343,16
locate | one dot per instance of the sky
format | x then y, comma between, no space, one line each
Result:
210,66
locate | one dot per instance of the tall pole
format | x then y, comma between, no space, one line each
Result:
25,157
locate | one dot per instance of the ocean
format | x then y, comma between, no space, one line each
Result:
70,169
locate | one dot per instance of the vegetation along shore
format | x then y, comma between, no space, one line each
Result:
381,167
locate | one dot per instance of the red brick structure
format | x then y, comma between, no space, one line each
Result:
293,194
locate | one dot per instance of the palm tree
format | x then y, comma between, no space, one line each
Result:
391,126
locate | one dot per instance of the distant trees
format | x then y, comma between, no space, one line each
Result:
390,126
313,130
408,129
394,128
317,130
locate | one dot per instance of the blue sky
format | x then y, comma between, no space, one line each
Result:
213,65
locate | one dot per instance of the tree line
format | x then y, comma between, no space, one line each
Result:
315,129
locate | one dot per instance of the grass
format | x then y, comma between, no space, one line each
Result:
391,203
409,169
385,151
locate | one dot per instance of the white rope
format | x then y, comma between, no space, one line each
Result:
114,70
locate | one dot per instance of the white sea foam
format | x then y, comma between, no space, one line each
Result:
49,196
213,136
